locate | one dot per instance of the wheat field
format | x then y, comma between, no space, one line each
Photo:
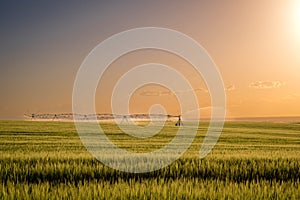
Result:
252,160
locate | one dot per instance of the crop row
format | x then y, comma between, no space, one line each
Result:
87,169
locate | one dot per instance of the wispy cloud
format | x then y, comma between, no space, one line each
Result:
165,93
149,93
291,96
266,84
201,90
155,93
230,88
194,90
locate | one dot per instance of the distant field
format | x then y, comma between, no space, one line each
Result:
46,160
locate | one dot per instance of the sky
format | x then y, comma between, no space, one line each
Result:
255,45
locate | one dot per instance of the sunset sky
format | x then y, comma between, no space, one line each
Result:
255,44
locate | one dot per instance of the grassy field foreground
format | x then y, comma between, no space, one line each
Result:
46,160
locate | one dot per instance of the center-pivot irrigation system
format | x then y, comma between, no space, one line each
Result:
102,117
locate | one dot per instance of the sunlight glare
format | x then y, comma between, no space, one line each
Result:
296,16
